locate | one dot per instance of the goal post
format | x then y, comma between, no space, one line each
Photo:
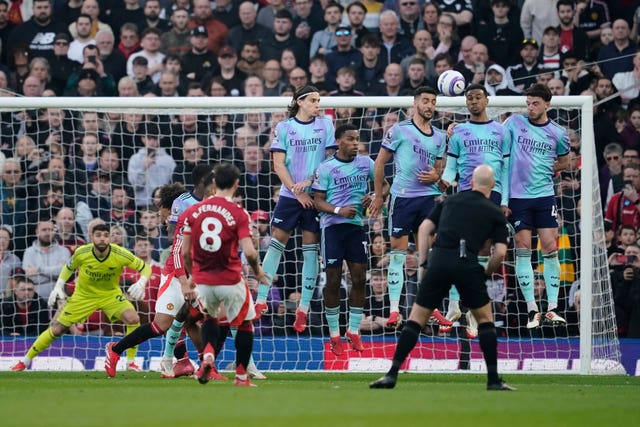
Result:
596,345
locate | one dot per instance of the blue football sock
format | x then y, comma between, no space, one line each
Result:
270,267
395,278
524,273
173,335
309,275
552,278
355,318
333,320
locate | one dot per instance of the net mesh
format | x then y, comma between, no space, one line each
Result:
84,160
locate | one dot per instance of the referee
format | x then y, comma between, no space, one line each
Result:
464,221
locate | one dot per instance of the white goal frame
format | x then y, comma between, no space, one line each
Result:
211,104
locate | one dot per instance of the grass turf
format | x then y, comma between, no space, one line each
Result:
314,399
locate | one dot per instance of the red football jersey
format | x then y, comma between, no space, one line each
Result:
215,226
174,260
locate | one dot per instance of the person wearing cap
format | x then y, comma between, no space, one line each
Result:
91,79
24,313
523,74
150,167
230,74
199,62
324,41
61,66
39,31
272,47
502,35
203,16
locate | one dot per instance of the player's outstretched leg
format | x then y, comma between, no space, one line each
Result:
131,340
524,273
244,347
310,268
552,280
41,343
270,266
395,280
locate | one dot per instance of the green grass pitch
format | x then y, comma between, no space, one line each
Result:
315,399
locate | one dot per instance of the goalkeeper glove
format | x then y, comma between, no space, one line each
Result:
57,293
136,291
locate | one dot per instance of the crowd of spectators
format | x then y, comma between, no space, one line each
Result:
61,169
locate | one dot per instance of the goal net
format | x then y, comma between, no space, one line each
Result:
72,158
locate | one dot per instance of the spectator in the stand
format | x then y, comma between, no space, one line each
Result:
176,40
423,47
308,18
466,65
356,15
572,38
393,78
131,13
81,39
318,74
610,175
61,66
202,15
376,305
10,260
536,15
272,76
25,313
288,62
416,76
523,74
248,30
394,46
625,285
95,204
91,8
346,81
90,122
85,161
447,39
234,78
66,233
462,11
186,125
113,60
574,74
149,226
629,137
150,167
32,87
199,62
141,77
44,259
298,78
38,33
430,14
151,51
129,39
549,57
282,38
193,154
607,104
121,213
249,62
92,69
167,85
256,179
6,28
344,54
623,207
370,70
593,17
324,40
409,17
109,164
55,175
253,86
617,56
502,35
628,82
267,13
152,18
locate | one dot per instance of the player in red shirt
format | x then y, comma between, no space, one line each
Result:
213,231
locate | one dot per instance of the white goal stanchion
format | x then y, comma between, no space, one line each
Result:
223,126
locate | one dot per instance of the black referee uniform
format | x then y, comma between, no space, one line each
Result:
464,223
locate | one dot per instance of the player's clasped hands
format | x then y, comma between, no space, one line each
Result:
429,175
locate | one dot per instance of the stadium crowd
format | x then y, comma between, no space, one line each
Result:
62,169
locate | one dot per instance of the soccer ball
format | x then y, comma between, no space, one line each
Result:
451,83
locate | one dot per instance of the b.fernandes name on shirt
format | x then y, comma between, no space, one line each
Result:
217,209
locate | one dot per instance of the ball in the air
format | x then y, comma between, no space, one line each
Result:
451,83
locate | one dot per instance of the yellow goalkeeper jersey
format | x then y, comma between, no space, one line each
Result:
101,276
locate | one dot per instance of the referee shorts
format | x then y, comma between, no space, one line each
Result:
446,268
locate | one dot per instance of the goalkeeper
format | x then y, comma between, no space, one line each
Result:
97,288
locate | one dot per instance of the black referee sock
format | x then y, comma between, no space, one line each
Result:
139,335
489,346
408,340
